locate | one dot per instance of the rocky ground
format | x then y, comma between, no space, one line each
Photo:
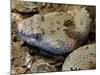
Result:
20,50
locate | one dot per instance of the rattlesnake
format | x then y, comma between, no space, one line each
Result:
56,32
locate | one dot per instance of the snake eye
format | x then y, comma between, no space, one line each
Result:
37,36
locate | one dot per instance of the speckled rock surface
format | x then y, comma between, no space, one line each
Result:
83,58
16,17
41,66
24,6
18,70
20,56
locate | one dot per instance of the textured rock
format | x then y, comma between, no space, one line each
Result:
56,32
40,66
16,17
24,6
20,56
18,70
83,58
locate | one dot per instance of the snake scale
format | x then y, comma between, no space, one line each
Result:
83,58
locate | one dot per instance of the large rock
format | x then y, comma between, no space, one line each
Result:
24,6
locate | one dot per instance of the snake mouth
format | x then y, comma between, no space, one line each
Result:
37,39
31,37
36,36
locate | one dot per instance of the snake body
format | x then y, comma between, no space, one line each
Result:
56,32
83,58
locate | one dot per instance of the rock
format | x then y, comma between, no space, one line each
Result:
41,66
18,70
83,58
24,6
13,4
20,56
16,17
56,32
